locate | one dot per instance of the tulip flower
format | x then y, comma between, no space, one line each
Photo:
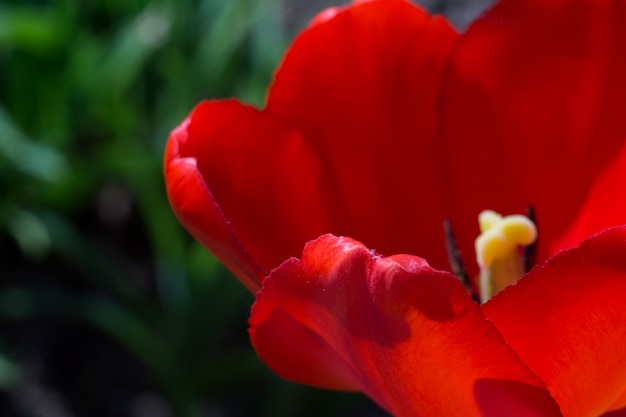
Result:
383,124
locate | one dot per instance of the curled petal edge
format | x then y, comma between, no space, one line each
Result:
194,206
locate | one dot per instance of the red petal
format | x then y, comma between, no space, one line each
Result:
407,335
362,86
567,321
244,185
534,112
197,210
604,206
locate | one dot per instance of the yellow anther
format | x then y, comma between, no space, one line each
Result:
497,250
488,219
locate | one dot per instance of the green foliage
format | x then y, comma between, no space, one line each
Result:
89,91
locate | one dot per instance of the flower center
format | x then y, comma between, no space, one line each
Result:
498,250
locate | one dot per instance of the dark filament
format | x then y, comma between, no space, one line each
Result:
529,253
454,254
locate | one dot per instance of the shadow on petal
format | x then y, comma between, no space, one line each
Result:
496,397
408,336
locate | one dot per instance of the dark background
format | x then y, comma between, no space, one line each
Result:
107,306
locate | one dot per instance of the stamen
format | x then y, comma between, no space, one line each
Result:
454,254
529,252
497,250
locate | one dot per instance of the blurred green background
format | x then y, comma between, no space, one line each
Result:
107,306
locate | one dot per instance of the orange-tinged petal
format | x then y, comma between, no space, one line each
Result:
566,319
408,336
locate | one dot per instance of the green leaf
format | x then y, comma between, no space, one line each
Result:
30,28
28,156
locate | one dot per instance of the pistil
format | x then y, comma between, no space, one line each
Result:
498,250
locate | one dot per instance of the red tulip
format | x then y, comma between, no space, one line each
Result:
380,123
